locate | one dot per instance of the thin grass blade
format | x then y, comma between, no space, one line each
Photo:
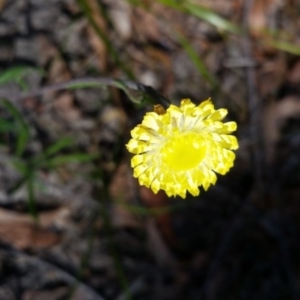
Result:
22,129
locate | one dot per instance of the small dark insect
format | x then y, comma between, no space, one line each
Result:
159,109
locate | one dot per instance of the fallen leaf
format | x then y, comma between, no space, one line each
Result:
52,294
274,117
2,4
261,15
21,231
64,104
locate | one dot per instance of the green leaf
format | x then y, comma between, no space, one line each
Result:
22,129
211,17
58,146
203,13
20,165
284,46
26,174
84,5
69,158
199,64
136,92
6,126
31,196
42,158
17,74
171,3
83,85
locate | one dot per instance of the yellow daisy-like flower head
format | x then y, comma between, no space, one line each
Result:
182,148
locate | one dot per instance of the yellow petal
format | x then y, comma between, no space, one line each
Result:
182,149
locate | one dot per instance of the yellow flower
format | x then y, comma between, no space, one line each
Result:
182,148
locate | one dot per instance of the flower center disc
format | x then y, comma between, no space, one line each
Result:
184,151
